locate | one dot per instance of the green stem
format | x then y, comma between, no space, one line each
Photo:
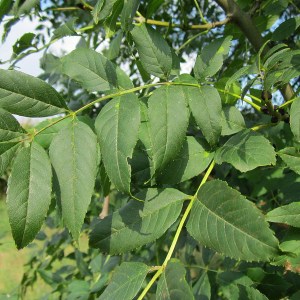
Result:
288,102
200,12
190,40
178,231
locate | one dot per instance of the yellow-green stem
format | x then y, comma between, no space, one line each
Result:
178,231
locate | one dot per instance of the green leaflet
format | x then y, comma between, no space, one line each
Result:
246,151
172,283
73,154
129,10
295,118
7,152
117,128
103,9
227,222
202,288
126,281
94,71
210,61
232,120
206,107
291,156
154,52
23,43
168,118
5,6
287,214
285,29
9,127
138,222
114,47
190,162
67,29
28,96
29,193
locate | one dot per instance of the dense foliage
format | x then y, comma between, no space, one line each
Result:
201,169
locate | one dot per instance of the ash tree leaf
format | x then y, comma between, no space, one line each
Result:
110,23
168,118
5,6
97,9
291,156
129,10
7,153
232,120
154,52
172,283
126,281
94,71
206,107
67,29
23,43
10,128
190,162
29,193
114,47
138,222
246,151
202,288
28,96
117,128
73,154
287,214
103,9
210,61
224,220
285,29
295,118
251,293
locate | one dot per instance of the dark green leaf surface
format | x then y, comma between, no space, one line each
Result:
28,96
73,154
232,120
291,156
129,10
23,43
295,118
117,128
172,283
67,29
168,119
5,6
285,29
224,220
94,71
7,152
102,9
206,107
138,222
29,193
126,281
154,52
9,127
190,162
246,151
287,214
202,288
210,61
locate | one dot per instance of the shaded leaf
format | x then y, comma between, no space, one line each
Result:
285,29
168,119
206,107
295,118
287,214
7,152
117,128
227,222
29,193
94,71
190,162
28,96
172,283
66,29
246,151
138,222
73,154
23,43
232,120
202,288
5,6
291,156
102,9
129,10
126,281
9,127
154,52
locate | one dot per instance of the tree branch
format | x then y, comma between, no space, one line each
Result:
244,22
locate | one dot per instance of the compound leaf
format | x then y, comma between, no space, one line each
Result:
168,119
227,222
28,96
138,222
94,71
154,52
73,153
172,283
246,151
29,193
117,127
126,281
